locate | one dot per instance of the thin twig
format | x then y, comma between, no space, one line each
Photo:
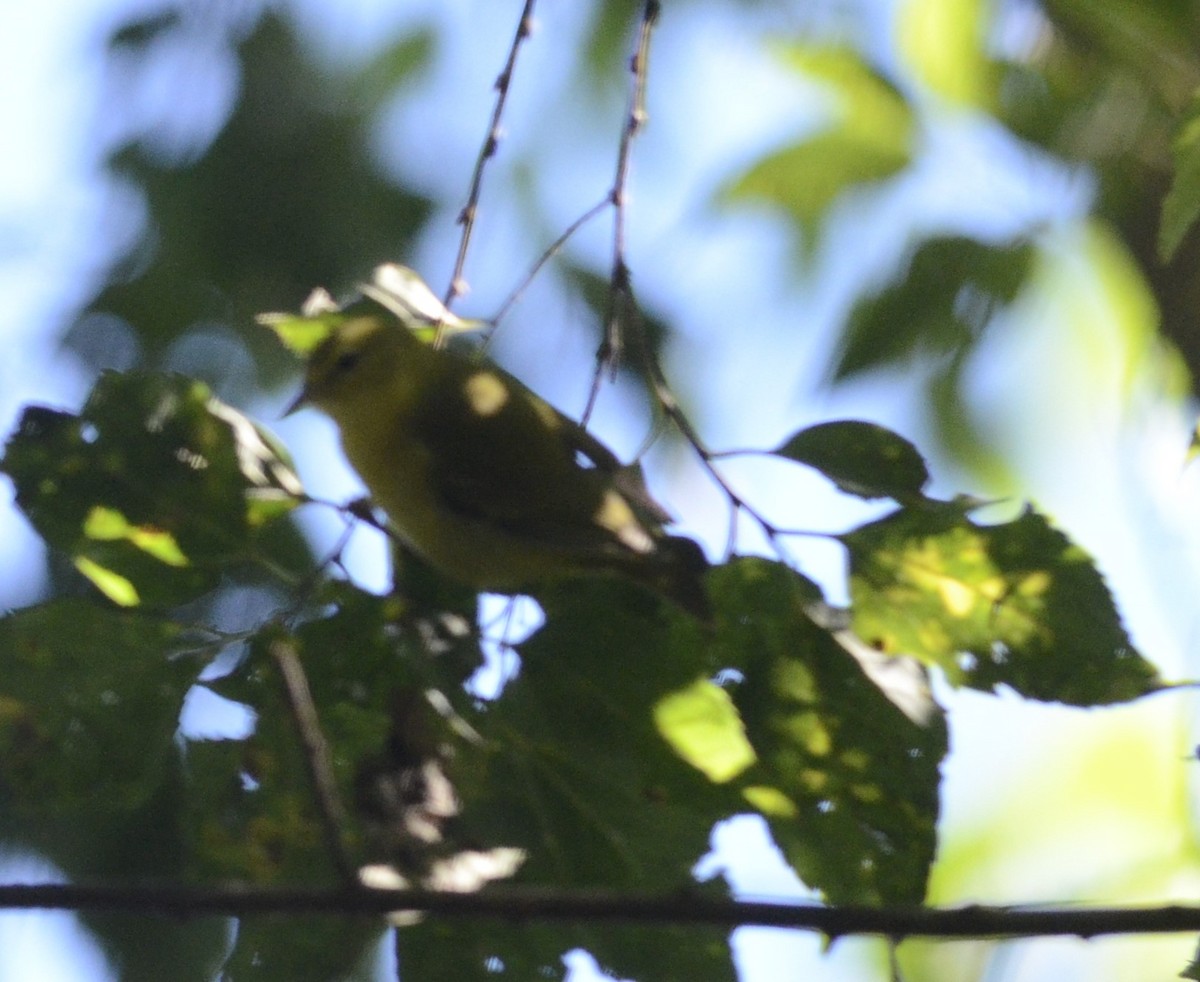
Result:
550,252
317,757
608,357
623,307
528,903
670,406
466,218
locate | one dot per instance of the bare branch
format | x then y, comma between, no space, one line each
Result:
466,218
549,253
620,298
551,905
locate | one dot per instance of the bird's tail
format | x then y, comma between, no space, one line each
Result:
678,574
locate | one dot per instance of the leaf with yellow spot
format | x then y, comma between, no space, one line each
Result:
109,525
847,782
1015,604
153,488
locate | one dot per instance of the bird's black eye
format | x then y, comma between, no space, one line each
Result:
347,360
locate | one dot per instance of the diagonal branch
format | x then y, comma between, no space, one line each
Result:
317,756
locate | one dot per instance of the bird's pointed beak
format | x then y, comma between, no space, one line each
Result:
296,404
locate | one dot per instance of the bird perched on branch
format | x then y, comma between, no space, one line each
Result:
488,482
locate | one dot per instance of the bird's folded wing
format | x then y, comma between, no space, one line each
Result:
514,468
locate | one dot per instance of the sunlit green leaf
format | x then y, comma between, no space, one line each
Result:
943,43
703,726
301,334
1015,604
577,774
861,458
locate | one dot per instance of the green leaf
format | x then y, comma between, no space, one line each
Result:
582,778
153,489
1016,604
369,668
394,67
89,704
298,947
942,303
869,139
847,782
576,773
287,195
1181,206
301,333
862,459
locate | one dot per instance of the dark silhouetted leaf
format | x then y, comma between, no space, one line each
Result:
848,783
863,459
89,703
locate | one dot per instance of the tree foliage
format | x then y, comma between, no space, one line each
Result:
629,730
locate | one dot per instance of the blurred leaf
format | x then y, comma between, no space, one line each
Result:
491,951
943,302
1182,203
1192,971
154,489
297,947
375,674
288,195
868,139
847,782
1153,41
862,459
298,333
398,64
137,33
597,293
610,37
89,769
1016,604
1105,86
943,43
89,704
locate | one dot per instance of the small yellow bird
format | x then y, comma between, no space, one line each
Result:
487,481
